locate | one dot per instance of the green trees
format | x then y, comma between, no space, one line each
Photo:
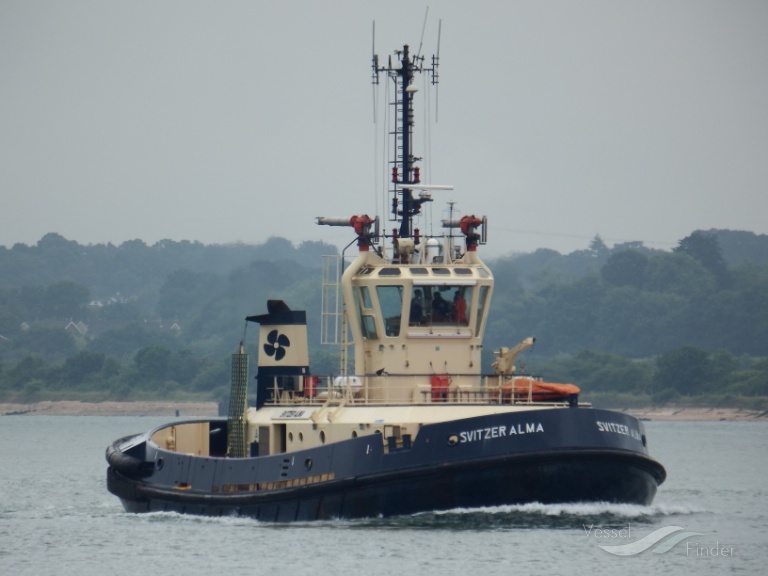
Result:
685,370
184,290
50,342
690,371
123,340
697,321
754,380
163,319
570,314
145,320
637,323
152,362
599,372
65,299
639,303
82,367
705,249
738,312
27,379
625,268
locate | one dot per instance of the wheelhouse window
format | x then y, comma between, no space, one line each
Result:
366,297
369,327
365,311
482,303
391,303
440,305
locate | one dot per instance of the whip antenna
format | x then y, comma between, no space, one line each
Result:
375,65
423,27
435,63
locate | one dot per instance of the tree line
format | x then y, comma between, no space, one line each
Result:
136,321
635,302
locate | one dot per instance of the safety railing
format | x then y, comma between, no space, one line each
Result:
407,389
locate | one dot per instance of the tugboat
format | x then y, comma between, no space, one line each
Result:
416,425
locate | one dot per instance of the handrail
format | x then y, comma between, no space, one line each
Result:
403,389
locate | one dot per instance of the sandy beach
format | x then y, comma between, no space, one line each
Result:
74,408
677,413
204,409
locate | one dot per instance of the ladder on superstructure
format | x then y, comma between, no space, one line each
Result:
333,320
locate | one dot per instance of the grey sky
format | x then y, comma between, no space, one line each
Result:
236,121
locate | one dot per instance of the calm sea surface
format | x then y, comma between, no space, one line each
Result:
56,517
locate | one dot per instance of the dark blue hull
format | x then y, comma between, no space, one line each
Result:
548,456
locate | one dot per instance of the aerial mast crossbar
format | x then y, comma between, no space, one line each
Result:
405,173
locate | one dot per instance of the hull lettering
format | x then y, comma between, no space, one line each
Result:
618,429
494,432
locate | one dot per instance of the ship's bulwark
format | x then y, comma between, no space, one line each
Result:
543,456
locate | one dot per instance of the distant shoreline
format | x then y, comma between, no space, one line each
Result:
208,409
698,414
76,408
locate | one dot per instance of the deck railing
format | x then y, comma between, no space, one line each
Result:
410,389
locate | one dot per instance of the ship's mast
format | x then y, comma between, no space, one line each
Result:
405,174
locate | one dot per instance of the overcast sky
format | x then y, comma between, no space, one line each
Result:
234,121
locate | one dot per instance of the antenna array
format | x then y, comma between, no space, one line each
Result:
405,175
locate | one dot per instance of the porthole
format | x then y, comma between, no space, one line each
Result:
308,463
290,436
301,436
354,433
159,464
322,436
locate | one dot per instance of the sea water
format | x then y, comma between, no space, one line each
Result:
57,518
